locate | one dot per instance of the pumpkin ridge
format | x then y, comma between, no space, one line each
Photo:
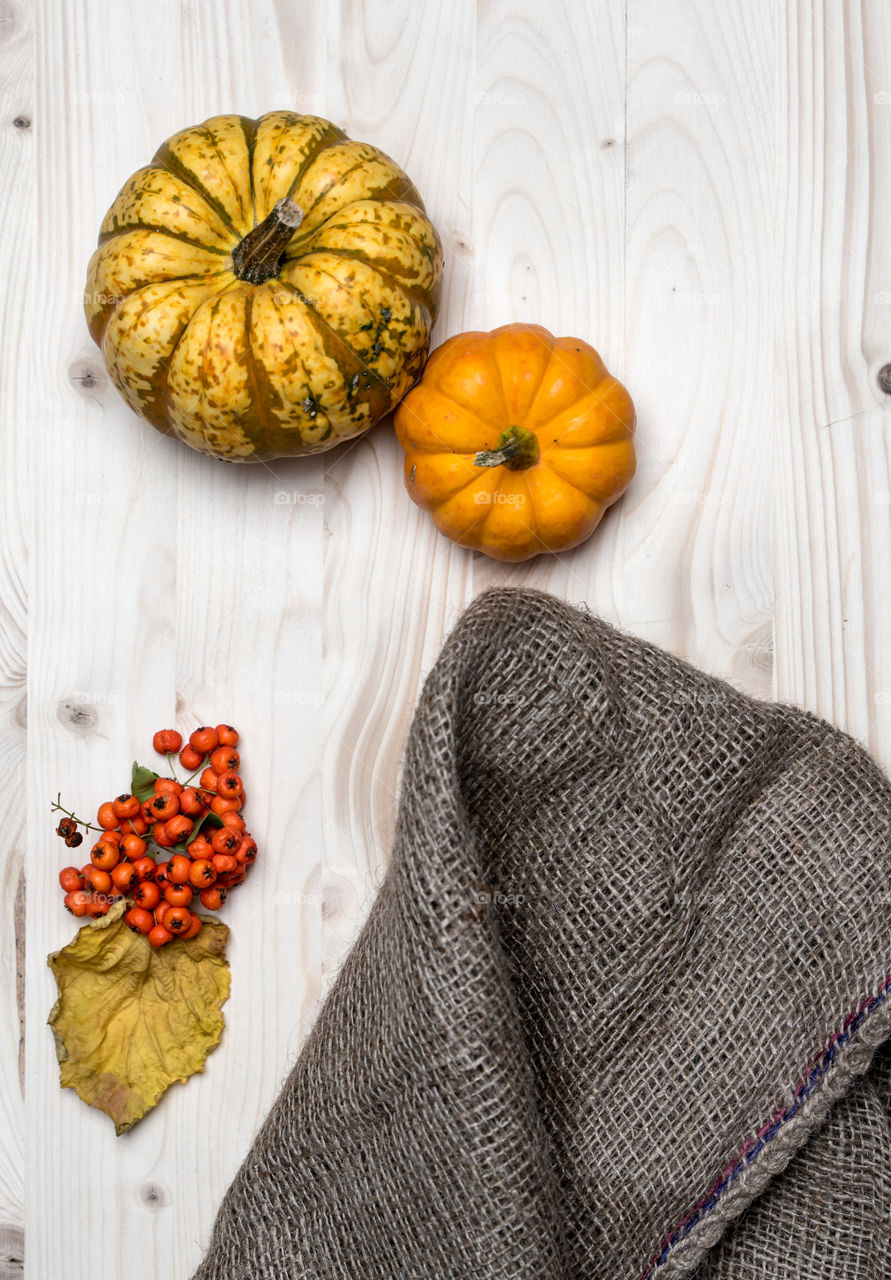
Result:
432,392
328,325
172,165
158,389
259,402
416,294
371,194
280,431
532,525
596,503
177,282
203,130
598,395
538,387
430,252
344,208
501,372
330,135
161,231
249,129
345,357
212,235
599,391
327,332
213,311
310,159
569,484
321,324
340,177
484,354
441,506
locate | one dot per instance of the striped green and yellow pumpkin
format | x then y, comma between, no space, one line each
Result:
265,287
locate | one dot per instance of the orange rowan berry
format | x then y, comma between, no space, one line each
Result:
70,879
225,760
133,847
178,868
105,855
106,816
139,920
178,919
190,759
204,739
213,898
147,895
176,829
125,806
202,873
178,895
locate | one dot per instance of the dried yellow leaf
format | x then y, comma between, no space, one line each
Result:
131,1020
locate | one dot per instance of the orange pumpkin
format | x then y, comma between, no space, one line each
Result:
516,441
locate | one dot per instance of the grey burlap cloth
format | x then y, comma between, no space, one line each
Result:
622,1006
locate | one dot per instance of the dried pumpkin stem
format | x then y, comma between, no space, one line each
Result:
517,450
256,258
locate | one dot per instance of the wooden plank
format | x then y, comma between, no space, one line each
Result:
833,465
17,265
694,569
548,227
175,588
393,586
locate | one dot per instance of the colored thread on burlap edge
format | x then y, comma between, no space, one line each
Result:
752,1146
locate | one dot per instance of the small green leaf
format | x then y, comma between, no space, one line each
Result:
142,782
187,840
212,818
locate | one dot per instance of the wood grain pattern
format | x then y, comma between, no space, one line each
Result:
404,77
17,162
833,456
697,569
189,594
549,205
700,191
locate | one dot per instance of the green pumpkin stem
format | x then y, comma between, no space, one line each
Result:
256,257
517,450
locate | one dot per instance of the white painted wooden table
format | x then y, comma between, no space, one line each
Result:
700,189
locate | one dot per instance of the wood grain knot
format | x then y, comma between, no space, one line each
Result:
78,717
86,375
883,378
12,1252
9,22
753,662
153,1196
332,901
22,122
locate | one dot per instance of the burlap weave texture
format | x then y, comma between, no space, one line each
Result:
615,1011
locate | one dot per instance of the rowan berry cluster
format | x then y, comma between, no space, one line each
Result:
199,822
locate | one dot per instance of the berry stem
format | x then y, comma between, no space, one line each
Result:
58,806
